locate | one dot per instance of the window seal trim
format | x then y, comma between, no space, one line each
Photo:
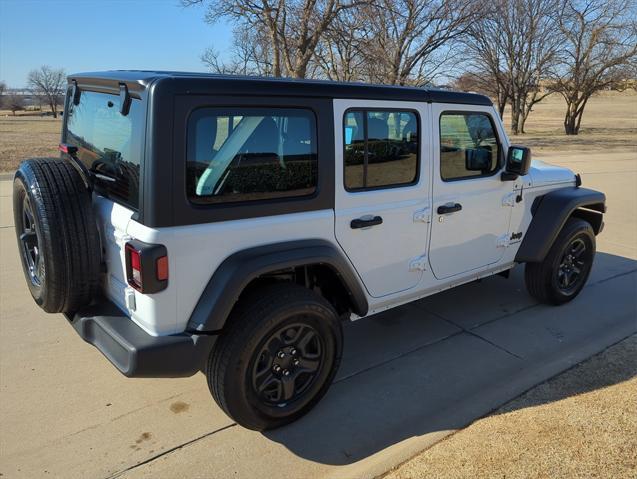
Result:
382,187
497,137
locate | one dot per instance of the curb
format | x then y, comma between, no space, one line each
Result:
6,176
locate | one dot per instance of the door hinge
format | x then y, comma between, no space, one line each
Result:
422,216
418,264
503,241
509,200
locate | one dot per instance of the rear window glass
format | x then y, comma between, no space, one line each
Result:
109,143
244,154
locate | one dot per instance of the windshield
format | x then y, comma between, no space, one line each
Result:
109,143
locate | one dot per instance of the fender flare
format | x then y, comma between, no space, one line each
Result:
237,270
550,213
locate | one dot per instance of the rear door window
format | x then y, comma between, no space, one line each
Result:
381,149
246,154
109,143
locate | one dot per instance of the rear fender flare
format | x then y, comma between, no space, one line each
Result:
239,269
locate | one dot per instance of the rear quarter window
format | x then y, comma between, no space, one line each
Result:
248,154
109,143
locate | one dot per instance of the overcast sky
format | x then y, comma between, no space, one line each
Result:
90,35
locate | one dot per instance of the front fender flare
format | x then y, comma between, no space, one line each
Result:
549,215
236,272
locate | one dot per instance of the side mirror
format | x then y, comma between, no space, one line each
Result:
518,162
477,159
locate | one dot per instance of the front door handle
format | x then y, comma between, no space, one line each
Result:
365,222
449,208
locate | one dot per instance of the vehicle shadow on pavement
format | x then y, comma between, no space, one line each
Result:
438,364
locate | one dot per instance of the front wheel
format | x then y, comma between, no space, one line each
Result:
563,273
277,358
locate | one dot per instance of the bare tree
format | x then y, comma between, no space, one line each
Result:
294,27
410,40
50,84
3,88
600,48
251,54
338,55
484,58
13,102
530,46
487,83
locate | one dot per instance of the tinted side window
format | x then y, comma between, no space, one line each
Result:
468,146
109,143
242,154
381,149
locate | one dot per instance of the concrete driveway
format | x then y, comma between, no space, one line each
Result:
409,376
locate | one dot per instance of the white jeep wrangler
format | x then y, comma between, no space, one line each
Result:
229,225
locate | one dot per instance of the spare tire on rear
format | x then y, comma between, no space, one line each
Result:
57,234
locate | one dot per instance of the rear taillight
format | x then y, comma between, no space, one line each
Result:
146,266
68,149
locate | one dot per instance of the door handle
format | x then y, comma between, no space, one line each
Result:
449,208
365,222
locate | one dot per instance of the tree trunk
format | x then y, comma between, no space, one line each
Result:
515,116
571,125
502,103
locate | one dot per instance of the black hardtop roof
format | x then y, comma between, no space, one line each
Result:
203,83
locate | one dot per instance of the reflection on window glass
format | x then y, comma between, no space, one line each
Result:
381,148
468,146
108,143
242,154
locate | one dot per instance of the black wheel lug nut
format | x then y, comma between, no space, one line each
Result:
281,354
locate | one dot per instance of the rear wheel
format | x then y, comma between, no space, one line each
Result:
277,358
563,273
57,234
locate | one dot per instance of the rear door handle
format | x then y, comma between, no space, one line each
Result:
366,222
449,208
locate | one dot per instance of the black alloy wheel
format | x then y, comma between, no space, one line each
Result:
287,364
30,244
573,264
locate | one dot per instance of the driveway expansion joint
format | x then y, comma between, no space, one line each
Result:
168,451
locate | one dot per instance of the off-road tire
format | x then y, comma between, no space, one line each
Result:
255,318
66,239
542,278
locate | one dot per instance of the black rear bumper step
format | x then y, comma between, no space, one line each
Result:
133,351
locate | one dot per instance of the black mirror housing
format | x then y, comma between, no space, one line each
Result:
518,162
477,159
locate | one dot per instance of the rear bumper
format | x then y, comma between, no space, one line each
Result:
135,352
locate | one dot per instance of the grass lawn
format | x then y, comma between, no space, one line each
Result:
27,136
580,424
610,122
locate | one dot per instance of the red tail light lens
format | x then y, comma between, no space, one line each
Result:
146,266
136,268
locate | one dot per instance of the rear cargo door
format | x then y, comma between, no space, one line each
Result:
108,145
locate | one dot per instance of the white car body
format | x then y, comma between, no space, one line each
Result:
416,252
